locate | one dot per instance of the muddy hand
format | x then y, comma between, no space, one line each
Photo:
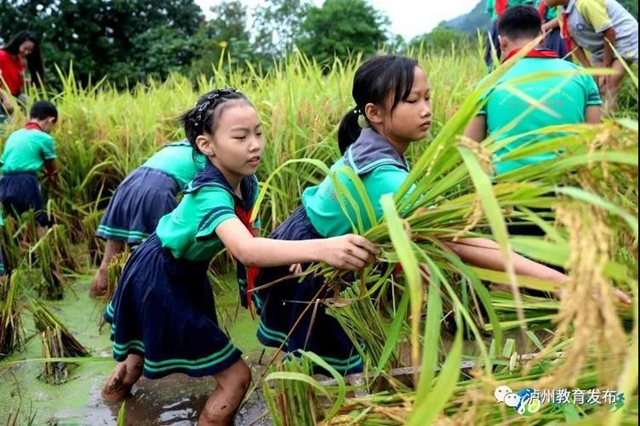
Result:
351,252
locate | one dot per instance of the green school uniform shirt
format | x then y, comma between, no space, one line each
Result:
178,160
382,171
189,230
570,102
26,150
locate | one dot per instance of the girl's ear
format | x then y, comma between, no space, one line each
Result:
205,145
373,113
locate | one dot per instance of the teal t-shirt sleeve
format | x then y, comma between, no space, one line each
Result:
48,148
593,93
214,205
383,180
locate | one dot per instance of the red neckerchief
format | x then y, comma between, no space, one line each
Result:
533,53
33,126
501,7
252,272
542,10
566,35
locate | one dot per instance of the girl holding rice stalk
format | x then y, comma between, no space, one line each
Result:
162,315
393,96
146,194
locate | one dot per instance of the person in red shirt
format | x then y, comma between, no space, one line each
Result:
24,46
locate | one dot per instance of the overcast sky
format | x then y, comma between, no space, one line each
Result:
409,18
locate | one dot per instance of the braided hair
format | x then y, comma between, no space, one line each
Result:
204,117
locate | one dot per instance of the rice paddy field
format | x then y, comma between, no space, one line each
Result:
437,351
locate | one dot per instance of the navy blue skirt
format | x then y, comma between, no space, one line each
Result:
138,204
283,305
554,41
21,192
164,311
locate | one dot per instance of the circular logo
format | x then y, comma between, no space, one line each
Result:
581,27
528,405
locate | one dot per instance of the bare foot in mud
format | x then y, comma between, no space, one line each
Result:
122,379
115,390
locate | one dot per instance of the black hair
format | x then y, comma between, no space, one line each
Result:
374,81
42,110
520,22
205,115
34,59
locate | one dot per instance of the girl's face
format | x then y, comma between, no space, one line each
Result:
410,119
25,49
236,145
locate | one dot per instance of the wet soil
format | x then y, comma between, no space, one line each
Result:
173,400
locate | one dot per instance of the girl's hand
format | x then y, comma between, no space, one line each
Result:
351,252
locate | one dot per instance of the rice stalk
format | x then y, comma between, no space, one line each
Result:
57,342
11,331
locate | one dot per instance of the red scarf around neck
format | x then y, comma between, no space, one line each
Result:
533,53
253,271
33,126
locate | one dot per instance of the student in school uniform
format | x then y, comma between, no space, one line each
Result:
597,26
578,100
147,193
394,96
162,316
27,153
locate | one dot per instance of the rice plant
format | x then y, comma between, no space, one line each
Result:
11,331
57,342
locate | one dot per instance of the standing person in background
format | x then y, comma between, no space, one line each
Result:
496,9
24,46
553,39
597,26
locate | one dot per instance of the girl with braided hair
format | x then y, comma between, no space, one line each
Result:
162,315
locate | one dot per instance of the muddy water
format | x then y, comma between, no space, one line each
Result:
173,400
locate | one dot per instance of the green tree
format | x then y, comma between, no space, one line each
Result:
340,28
277,23
441,38
225,35
103,37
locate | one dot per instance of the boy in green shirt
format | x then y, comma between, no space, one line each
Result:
28,152
574,100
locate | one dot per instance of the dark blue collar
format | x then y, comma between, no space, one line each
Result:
371,150
212,176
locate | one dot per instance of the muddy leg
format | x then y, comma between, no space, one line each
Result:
122,379
222,405
99,283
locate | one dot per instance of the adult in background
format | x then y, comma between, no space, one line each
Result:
23,47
